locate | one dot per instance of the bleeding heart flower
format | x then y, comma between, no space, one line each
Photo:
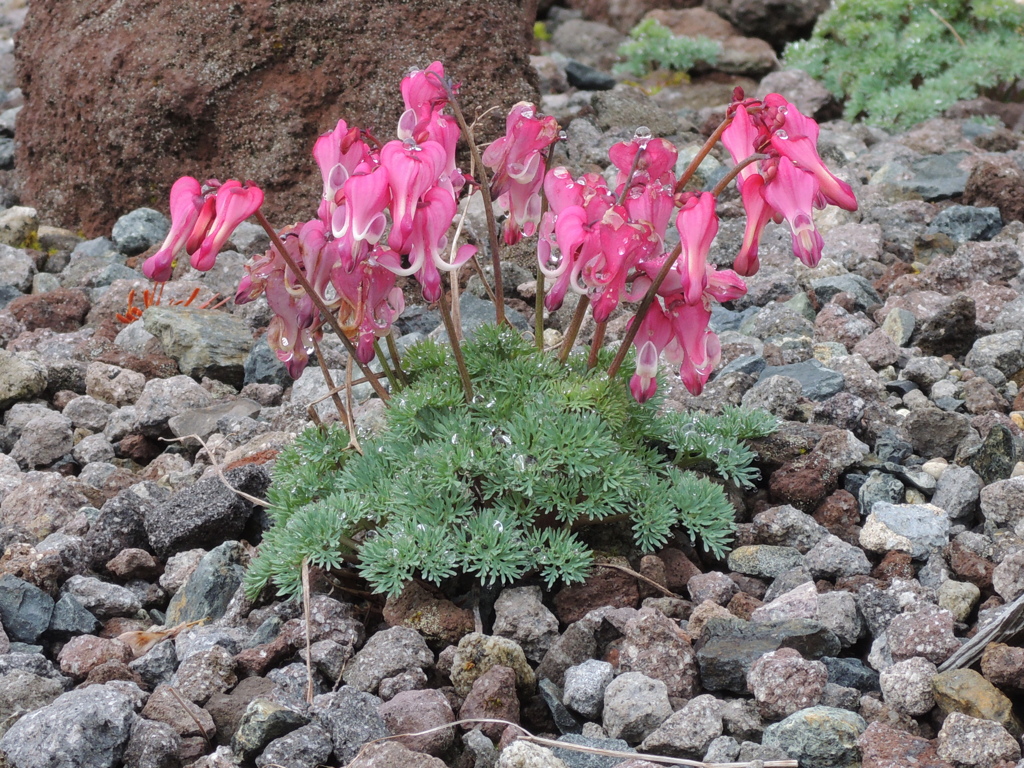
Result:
792,192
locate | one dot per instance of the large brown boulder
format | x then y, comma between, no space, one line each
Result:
121,99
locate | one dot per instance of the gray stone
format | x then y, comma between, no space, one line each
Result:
913,528
262,366
21,377
21,692
163,398
93,448
585,685
203,421
764,560
899,326
523,754
351,718
139,229
25,610
204,342
957,491
967,222
101,598
43,440
1002,351
833,558
634,706
837,610
819,737
87,728
1002,502
156,667
211,586
816,381
153,745
305,747
70,617
1008,577
520,615
935,177
935,433
120,386
689,731
907,686
475,313
787,526
206,512
966,740
120,522
262,722
864,294
575,759
386,654
16,267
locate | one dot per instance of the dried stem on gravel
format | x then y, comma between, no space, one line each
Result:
527,736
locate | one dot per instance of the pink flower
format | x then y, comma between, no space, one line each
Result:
236,202
697,225
202,220
187,201
338,153
792,192
368,298
654,335
759,213
365,195
657,159
696,348
412,169
518,159
797,140
423,92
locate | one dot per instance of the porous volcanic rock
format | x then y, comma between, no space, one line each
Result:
122,99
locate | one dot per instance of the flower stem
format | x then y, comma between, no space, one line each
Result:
733,173
595,345
396,359
699,157
319,302
384,365
642,310
538,313
453,339
574,329
329,381
485,190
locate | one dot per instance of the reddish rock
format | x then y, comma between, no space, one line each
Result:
604,586
44,569
997,184
118,625
679,569
81,654
970,565
926,632
235,90
62,310
655,645
133,563
804,482
438,619
653,568
840,514
263,658
742,605
784,682
115,669
625,16
415,711
493,695
183,716
43,503
227,709
883,746
895,565
1003,666
139,448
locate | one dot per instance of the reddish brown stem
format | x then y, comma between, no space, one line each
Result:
699,157
595,345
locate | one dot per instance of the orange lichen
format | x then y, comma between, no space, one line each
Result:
155,298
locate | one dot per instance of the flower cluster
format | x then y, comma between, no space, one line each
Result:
609,244
387,209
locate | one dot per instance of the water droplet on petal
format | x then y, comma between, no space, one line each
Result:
781,135
562,136
642,132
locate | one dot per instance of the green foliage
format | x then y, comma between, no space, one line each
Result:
505,485
540,31
897,62
653,46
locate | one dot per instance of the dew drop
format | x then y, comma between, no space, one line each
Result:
783,109
519,462
498,526
527,113
781,135
642,132
455,439
562,136
420,527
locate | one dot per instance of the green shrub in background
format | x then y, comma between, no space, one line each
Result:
505,485
653,46
897,62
